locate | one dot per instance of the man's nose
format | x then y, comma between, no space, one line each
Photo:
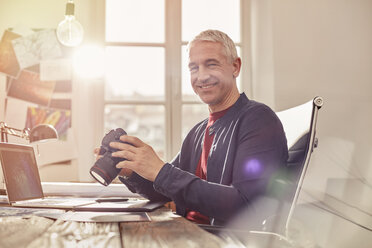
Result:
203,75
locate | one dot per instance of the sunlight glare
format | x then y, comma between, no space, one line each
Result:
89,62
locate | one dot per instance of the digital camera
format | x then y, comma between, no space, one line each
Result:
104,169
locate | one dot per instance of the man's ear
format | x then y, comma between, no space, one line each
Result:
237,63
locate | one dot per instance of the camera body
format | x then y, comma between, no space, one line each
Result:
104,169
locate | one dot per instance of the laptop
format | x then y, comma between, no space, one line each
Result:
22,180
24,189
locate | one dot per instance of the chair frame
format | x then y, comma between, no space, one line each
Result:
313,143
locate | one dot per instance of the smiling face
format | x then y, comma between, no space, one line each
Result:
213,75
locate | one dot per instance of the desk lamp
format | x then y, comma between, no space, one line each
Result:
39,133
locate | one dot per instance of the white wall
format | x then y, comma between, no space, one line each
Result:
307,48
321,47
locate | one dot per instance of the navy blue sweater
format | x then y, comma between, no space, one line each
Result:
249,146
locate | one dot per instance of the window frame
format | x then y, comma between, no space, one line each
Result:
172,45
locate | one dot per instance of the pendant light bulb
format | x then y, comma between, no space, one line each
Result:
69,31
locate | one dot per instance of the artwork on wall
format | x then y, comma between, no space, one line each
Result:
38,87
32,49
8,62
29,87
60,119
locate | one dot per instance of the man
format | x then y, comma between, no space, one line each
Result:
227,160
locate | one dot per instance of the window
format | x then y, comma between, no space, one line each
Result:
147,88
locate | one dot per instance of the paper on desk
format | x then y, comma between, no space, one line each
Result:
15,211
104,216
86,190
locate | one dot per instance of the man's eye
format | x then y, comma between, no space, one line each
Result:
212,65
193,69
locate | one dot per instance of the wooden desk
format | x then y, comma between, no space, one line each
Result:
165,230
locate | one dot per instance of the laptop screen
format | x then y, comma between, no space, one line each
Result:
20,172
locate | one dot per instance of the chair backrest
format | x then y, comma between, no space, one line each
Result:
277,205
299,125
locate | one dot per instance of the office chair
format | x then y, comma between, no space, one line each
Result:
276,207
299,125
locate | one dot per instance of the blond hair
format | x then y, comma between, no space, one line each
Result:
217,36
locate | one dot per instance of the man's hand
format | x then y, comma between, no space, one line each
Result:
139,156
96,153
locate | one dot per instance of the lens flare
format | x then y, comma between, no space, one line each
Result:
253,166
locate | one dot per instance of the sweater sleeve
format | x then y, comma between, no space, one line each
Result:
137,184
189,191
143,187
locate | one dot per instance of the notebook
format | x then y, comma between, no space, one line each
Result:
24,189
22,180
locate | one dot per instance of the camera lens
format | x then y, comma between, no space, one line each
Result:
104,169
98,178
